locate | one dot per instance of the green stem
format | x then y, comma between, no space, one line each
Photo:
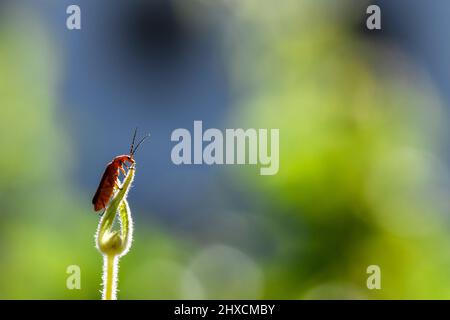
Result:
114,244
110,277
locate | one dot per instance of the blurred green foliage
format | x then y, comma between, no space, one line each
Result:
360,178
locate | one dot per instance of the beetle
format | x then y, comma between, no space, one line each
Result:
110,177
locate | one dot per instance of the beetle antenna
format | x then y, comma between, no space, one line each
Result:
137,146
132,142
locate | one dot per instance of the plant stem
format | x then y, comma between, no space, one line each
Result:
110,277
115,244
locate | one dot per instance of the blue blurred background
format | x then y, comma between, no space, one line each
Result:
364,155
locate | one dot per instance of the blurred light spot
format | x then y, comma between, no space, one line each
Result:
191,288
407,187
226,273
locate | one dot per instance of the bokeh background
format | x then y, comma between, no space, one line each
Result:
364,152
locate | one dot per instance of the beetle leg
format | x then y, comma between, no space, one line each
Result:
117,185
123,171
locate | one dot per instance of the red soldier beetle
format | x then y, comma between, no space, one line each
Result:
110,177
